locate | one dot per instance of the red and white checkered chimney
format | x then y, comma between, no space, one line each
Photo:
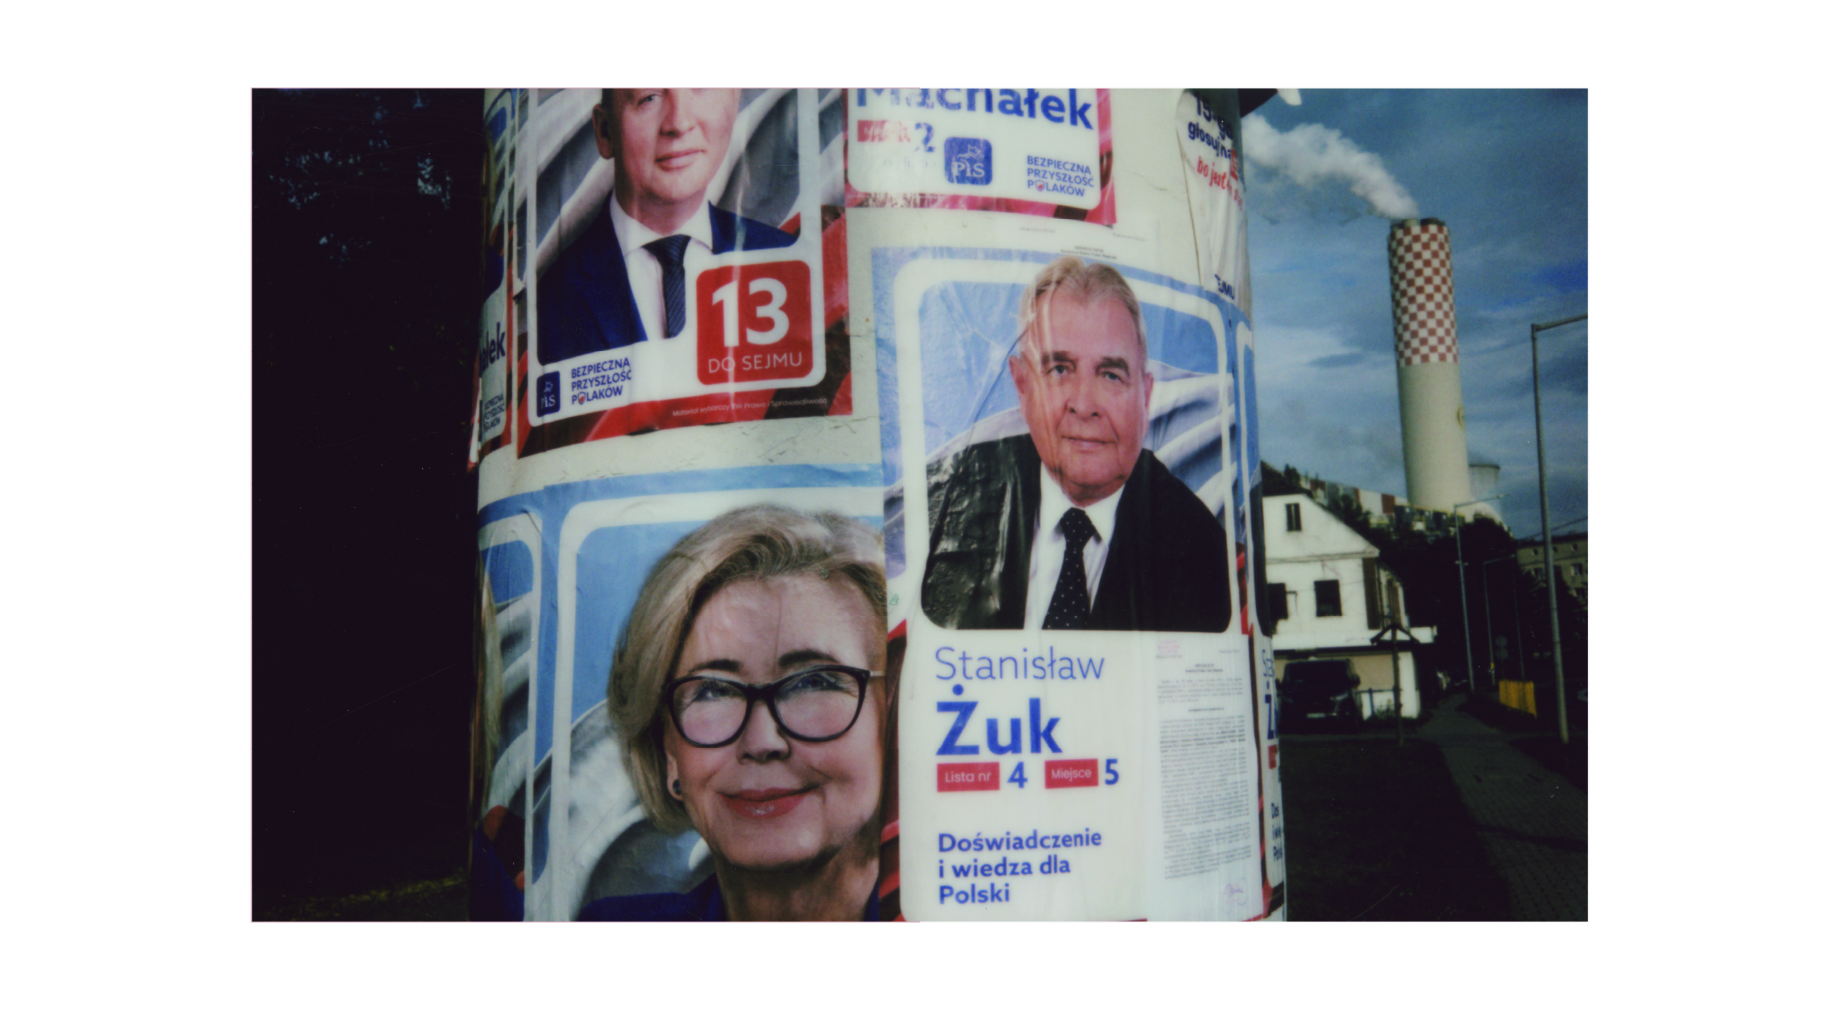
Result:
1425,343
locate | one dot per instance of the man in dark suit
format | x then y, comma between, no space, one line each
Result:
626,277
1076,525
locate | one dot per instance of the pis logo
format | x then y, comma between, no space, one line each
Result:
968,161
549,393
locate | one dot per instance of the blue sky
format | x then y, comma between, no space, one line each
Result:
1507,172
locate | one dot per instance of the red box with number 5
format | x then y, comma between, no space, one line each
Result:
754,323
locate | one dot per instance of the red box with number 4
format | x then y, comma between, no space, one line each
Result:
753,323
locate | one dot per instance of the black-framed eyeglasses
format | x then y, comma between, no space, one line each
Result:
813,705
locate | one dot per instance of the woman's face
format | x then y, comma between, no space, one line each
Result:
767,801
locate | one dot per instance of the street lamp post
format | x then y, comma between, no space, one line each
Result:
1520,637
1489,621
1488,627
1552,588
1469,661
1469,652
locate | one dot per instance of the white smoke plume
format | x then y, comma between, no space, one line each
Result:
1309,153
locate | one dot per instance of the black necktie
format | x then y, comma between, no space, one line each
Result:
670,254
1069,605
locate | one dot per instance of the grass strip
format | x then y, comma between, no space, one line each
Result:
1378,832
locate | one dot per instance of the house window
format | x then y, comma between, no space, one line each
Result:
1278,601
1293,517
1328,598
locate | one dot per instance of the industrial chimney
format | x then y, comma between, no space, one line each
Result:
1425,345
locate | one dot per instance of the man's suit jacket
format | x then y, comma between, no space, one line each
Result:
585,302
1166,570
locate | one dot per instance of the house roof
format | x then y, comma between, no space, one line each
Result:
1324,533
1276,483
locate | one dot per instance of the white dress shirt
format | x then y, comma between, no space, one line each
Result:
1050,547
646,274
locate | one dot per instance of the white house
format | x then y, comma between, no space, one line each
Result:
1330,595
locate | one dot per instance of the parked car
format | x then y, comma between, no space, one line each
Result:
1319,692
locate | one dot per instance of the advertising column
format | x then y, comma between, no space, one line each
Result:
866,532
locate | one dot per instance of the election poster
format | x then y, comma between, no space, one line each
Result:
505,746
687,246
1212,165
1216,198
684,589
492,378
1041,151
494,408
955,624
1092,759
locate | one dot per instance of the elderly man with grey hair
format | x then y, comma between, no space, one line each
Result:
1075,525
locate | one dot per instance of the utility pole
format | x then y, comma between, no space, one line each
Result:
1515,584
1399,723
1520,637
1488,626
1486,587
1469,651
1552,586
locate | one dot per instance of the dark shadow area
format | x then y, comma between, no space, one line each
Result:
1495,715
442,900
1545,841
1376,831
1538,738
1377,728
365,220
1572,761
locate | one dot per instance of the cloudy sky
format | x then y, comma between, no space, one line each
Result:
1506,171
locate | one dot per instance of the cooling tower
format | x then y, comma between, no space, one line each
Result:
1425,344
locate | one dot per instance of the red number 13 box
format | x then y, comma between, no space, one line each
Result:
754,323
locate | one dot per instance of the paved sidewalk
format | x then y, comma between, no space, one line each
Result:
1531,821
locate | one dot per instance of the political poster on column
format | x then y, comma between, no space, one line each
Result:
656,791
688,260
507,794
1078,733
491,365
1216,199
964,632
1042,151
1212,165
662,826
